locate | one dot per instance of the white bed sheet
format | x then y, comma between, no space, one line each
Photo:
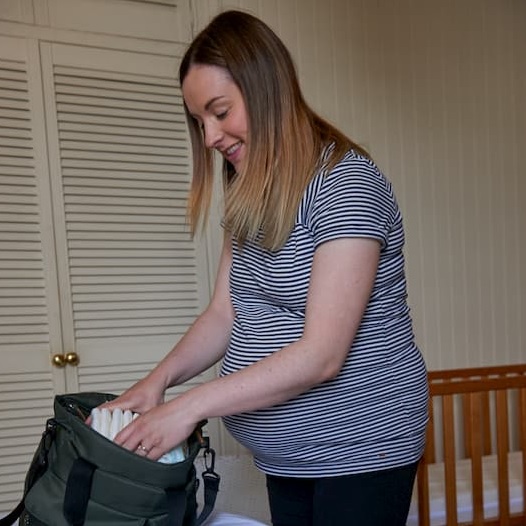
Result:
465,513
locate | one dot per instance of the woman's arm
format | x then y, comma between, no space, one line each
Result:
343,275
202,346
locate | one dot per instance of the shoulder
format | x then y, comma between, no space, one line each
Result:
353,178
355,169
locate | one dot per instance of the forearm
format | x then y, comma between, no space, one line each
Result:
273,380
200,348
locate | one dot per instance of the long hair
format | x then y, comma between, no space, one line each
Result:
286,138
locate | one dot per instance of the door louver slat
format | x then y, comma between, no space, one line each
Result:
125,177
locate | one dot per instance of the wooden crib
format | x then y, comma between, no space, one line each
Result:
474,466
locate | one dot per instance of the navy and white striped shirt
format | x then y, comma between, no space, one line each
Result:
373,415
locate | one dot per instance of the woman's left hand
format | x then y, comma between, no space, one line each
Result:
157,431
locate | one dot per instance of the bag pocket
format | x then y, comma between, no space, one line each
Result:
110,495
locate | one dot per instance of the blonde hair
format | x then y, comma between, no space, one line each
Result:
286,137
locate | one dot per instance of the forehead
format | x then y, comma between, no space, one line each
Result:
204,83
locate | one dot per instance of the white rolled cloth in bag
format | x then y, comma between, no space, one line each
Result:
109,423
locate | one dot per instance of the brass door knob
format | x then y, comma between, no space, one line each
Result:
61,360
72,358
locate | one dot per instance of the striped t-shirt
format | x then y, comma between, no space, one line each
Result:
373,414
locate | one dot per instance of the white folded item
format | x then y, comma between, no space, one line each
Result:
109,423
229,519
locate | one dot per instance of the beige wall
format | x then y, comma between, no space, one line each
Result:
436,91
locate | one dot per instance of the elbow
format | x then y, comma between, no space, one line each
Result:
325,359
327,366
330,370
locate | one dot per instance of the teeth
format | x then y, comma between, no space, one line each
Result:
232,149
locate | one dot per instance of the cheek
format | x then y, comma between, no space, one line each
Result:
241,122
242,126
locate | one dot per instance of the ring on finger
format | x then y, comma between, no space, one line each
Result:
142,448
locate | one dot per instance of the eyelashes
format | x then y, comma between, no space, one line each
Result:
219,116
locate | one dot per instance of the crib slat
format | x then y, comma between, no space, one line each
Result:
423,494
430,438
466,421
485,423
474,424
501,408
522,431
448,433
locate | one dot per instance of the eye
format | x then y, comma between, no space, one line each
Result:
222,115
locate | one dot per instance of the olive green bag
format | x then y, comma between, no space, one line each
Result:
79,477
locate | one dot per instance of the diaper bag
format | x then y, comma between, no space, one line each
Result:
78,477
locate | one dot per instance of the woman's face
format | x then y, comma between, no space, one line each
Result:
216,103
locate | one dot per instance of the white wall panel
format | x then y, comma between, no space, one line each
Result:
435,90
17,11
160,20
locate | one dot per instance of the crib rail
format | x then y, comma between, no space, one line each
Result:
491,402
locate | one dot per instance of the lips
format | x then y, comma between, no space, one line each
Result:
232,149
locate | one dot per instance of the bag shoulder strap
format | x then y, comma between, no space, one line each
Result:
211,484
37,468
10,519
211,487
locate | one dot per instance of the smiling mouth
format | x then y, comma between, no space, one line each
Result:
232,149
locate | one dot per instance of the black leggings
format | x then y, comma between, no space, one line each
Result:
380,498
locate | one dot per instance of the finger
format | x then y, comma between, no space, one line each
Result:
155,453
115,404
124,437
142,450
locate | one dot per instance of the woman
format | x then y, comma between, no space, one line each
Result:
321,378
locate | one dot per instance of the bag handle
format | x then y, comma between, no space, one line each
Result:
78,490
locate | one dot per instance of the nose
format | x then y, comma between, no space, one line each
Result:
213,134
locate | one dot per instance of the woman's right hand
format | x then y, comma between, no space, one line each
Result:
139,398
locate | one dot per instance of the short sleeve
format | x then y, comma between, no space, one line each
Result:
353,200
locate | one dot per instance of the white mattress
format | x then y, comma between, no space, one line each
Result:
437,494
242,496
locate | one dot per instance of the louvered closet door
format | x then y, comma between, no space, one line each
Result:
131,279
29,310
